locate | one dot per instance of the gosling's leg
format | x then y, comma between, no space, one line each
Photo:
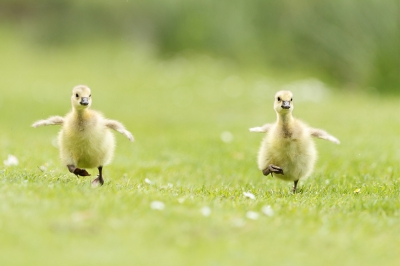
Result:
77,171
99,180
295,186
273,169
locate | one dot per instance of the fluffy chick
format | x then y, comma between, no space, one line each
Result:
85,139
288,150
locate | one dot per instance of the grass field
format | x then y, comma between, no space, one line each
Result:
178,110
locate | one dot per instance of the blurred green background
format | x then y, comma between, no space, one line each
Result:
188,78
348,44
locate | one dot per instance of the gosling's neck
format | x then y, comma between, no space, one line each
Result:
285,121
284,118
81,113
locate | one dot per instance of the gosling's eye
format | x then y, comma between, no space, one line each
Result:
291,99
77,96
279,99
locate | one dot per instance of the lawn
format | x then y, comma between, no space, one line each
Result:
190,116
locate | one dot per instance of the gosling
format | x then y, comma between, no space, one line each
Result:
85,140
288,150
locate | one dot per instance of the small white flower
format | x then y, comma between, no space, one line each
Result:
44,167
181,200
206,211
168,186
54,142
148,181
267,210
78,217
249,195
226,136
157,205
238,222
11,160
252,215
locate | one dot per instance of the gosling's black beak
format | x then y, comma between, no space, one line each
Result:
285,105
84,101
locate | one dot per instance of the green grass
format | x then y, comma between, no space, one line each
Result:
177,110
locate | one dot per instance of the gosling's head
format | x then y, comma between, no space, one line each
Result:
81,97
283,103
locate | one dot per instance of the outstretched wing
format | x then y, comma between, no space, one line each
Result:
322,134
262,129
54,120
117,126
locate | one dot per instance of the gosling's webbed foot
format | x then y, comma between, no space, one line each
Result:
81,172
99,181
273,169
77,171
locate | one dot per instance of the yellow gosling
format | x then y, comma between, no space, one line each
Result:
85,139
288,150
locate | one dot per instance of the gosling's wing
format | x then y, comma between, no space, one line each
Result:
322,134
118,126
54,120
262,129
